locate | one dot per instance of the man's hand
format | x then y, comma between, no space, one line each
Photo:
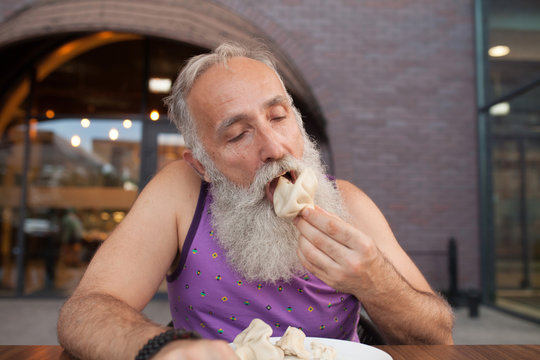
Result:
364,259
335,251
196,350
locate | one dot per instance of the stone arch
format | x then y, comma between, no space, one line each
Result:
200,23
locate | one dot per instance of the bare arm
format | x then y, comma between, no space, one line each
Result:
102,319
364,258
122,331
100,326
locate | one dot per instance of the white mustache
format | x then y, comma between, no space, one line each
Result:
271,170
259,245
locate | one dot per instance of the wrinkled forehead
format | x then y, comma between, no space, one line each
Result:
235,70
236,86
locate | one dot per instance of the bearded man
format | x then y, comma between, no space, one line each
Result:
210,221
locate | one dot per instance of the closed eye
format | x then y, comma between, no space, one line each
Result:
237,137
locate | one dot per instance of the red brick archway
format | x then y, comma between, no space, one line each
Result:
201,23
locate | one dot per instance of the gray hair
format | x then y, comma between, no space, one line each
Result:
178,109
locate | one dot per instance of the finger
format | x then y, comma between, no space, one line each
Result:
315,259
331,225
320,241
312,267
308,265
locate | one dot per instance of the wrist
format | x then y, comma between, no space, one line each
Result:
379,278
154,345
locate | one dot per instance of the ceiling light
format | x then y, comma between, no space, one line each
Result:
75,140
159,85
154,115
85,123
118,216
113,134
499,51
500,109
127,123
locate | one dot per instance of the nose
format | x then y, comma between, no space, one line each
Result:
271,148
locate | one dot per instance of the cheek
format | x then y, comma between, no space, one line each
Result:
238,157
238,166
298,145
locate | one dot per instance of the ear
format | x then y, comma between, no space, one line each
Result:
195,164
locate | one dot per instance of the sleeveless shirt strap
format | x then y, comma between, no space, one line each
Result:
332,180
191,232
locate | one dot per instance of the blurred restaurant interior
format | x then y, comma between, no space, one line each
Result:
95,134
83,128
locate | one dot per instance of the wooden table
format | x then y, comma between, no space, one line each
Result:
398,352
469,352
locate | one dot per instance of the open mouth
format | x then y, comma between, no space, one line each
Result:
271,186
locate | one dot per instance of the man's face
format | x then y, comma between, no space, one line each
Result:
243,118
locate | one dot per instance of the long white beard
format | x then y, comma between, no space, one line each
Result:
259,245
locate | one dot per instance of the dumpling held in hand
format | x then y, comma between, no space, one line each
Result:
291,198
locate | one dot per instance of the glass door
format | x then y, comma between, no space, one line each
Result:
516,174
532,160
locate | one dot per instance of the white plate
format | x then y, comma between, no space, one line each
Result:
346,350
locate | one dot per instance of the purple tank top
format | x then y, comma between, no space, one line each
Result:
207,296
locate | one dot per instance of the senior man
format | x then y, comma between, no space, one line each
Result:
207,223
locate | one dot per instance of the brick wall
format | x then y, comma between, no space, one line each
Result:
395,82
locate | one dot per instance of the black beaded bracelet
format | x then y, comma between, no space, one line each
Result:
157,342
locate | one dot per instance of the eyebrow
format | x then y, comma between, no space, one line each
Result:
277,100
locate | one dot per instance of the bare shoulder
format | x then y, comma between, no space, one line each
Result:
176,189
348,188
175,183
369,219
354,198
175,176
365,215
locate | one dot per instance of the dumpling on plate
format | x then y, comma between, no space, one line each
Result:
253,343
322,352
292,343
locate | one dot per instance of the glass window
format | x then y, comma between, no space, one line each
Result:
532,222
171,147
166,60
92,146
521,115
85,146
82,179
516,202
11,155
104,81
507,193
513,43
84,159
516,174
513,64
